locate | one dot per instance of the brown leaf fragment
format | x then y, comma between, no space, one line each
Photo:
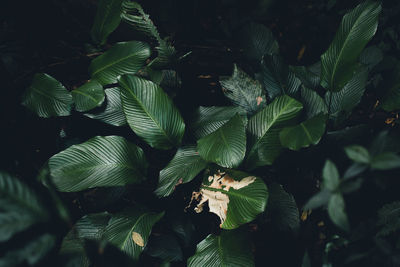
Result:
138,239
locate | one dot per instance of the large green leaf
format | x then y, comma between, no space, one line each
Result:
227,145
113,114
356,29
313,103
108,17
20,207
100,161
243,91
88,96
304,134
264,127
391,99
122,58
230,248
185,165
236,197
130,231
208,119
150,112
47,97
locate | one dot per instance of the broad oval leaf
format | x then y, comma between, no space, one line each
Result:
330,175
230,248
100,161
130,231
264,127
358,154
243,91
227,145
113,114
236,197
150,112
47,97
108,17
122,58
88,96
337,213
208,119
355,31
185,166
304,134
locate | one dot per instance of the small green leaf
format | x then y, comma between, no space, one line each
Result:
337,213
357,154
122,58
330,176
108,17
101,161
185,166
318,200
47,97
150,112
226,146
88,96
385,161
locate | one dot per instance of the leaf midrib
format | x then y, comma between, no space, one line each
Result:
51,97
84,94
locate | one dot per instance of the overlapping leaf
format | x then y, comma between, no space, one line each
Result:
306,76
47,97
356,29
122,58
88,96
101,161
150,113
313,103
264,127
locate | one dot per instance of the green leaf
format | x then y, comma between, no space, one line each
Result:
227,145
208,119
100,161
356,30
371,56
150,113
130,231
313,103
236,197
304,134
389,218
319,199
20,207
330,176
108,17
88,96
113,114
385,161
230,248
122,58
47,97
243,91
306,76
264,127
391,99
337,213
357,154
185,166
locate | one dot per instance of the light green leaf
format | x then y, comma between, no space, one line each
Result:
122,58
337,213
185,166
330,176
264,127
243,91
88,96
47,97
319,199
113,114
150,113
20,207
391,99
236,197
227,145
230,248
130,231
304,134
108,17
313,103
101,161
385,161
357,154
207,120
356,29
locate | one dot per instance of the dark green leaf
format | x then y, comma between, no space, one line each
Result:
391,100
108,17
349,186
356,30
337,213
185,166
165,247
385,161
354,170
227,145
122,58
330,176
358,154
313,103
101,161
47,97
389,218
371,56
150,112
306,76
318,200
88,96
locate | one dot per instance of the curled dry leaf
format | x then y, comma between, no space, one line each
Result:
138,239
